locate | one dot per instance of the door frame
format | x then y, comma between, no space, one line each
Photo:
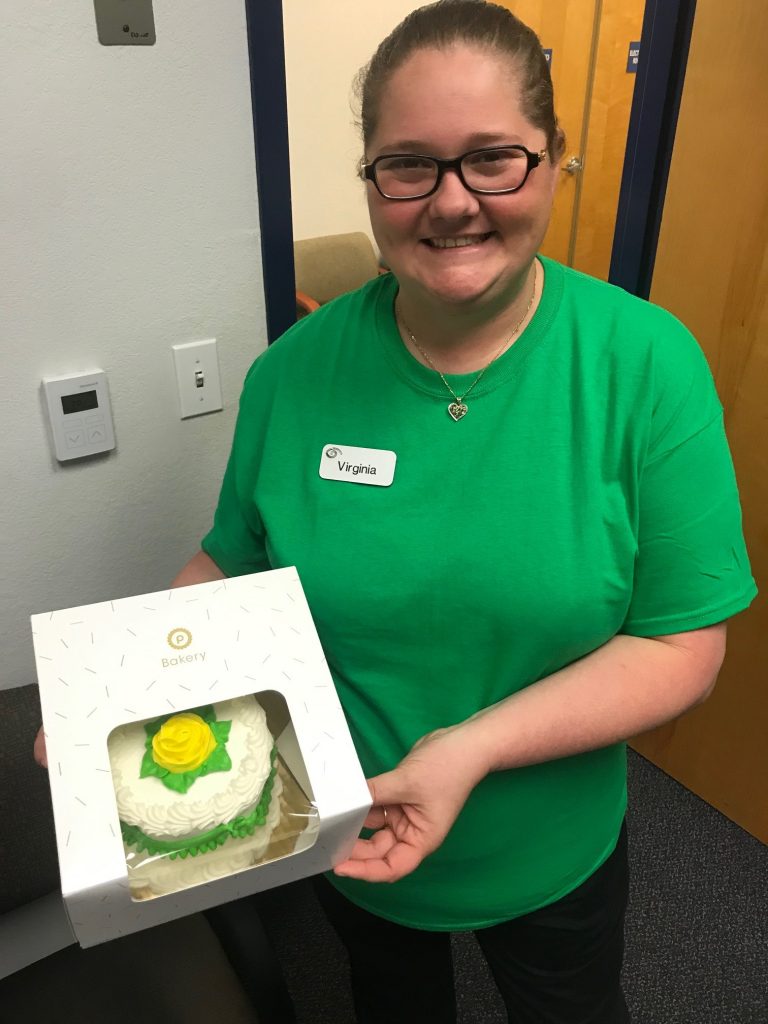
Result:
266,55
664,45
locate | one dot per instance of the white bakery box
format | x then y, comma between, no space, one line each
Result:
160,688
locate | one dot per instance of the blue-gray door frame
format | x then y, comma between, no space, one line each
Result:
666,36
266,51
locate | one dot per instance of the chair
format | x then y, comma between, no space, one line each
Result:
331,265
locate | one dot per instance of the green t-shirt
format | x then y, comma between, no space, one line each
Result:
588,491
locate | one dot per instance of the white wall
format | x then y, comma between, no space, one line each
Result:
128,199
325,45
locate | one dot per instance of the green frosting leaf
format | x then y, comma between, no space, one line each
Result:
150,767
220,730
179,782
217,761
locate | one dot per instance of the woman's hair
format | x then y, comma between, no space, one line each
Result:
470,22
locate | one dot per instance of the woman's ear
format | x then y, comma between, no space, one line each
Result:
558,145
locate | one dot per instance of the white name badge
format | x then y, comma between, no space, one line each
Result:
357,465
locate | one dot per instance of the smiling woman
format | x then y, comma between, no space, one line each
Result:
532,580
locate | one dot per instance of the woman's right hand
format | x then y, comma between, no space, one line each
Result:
41,755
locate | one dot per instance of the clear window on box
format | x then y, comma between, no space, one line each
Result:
208,791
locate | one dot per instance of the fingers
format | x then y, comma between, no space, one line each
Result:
382,794
412,813
389,862
377,818
41,755
387,788
375,848
382,858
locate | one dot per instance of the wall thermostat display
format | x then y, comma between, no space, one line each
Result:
80,414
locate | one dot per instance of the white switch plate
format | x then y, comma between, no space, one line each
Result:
197,377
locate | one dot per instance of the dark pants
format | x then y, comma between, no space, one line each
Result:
557,965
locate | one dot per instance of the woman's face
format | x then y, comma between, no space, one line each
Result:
443,103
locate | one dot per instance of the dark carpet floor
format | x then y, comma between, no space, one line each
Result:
697,927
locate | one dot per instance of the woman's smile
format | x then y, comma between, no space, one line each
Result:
446,242
460,242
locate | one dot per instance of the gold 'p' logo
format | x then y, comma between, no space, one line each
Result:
179,639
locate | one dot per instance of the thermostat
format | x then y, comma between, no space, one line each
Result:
80,414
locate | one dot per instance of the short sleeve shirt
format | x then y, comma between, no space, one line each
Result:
588,491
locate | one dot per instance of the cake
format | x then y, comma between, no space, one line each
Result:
198,794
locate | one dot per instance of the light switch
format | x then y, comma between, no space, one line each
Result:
197,377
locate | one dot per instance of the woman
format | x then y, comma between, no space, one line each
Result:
535,580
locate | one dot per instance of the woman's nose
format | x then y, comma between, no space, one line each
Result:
453,199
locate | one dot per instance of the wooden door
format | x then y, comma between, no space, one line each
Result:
712,271
610,104
593,97
567,28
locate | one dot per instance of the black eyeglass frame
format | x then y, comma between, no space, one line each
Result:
368,171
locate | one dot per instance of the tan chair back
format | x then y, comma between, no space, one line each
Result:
333,264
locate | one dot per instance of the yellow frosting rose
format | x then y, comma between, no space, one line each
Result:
182,743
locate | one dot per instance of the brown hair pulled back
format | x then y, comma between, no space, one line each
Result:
470,22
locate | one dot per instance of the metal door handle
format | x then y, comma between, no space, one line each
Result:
574,164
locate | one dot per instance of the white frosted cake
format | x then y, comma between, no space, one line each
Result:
197,794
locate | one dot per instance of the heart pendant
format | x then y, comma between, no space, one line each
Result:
457,411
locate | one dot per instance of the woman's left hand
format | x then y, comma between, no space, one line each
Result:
414,807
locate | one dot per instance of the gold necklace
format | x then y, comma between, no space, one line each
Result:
458,408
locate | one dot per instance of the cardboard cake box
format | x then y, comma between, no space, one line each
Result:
143,659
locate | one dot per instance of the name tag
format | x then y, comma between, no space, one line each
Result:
357,465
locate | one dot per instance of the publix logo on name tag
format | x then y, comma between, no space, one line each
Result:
353,464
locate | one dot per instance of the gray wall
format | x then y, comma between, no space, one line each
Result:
130,223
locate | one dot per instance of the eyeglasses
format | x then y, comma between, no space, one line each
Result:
494,170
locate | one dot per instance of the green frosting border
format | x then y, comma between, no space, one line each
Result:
237,828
